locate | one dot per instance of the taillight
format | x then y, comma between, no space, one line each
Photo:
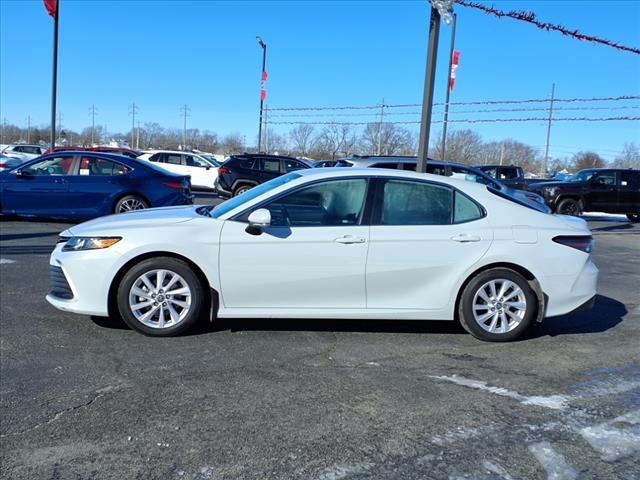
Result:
582,243
177,185
223,170
4,165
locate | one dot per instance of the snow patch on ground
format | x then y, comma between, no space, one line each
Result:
339,472
6,261
497,469
553,462
556,402
616,438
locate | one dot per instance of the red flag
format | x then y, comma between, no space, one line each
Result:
263,92
454,64
51,6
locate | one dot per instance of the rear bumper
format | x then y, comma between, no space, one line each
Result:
570,293
221,191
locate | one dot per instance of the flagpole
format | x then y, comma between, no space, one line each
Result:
55,76
446,102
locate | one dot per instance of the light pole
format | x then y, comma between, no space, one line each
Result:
444,8
262,91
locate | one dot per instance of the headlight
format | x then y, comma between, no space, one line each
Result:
75,244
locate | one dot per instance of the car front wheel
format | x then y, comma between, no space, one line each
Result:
161,297
570,206
634,217
497,305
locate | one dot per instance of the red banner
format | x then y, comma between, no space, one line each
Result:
454,65
263,92
51,6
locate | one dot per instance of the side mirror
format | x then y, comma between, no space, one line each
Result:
22,173
207,167
258,221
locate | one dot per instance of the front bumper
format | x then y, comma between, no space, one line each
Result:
88,277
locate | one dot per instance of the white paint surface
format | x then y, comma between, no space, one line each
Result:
556,402
553,462
616,438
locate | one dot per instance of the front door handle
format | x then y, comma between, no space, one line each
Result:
465,238
59,180
348,239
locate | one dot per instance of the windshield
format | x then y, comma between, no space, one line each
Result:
211,160
234,202
582,176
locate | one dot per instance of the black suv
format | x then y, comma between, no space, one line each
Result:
239,173
596,190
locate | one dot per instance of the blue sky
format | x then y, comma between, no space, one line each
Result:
163,54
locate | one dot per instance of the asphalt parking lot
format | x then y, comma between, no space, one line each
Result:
87,398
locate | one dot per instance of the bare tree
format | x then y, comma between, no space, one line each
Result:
629,158
232,143
583,160
302,139
335,139
387,138
462,146
510,152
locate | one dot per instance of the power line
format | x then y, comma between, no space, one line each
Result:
530,17
486,120
476,102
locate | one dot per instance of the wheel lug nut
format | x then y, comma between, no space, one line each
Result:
155,304
164,304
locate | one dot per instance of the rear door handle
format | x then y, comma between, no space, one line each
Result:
348,239
464,238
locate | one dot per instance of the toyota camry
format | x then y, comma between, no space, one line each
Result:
332,243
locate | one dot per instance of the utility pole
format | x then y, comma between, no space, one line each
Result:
546,148
380,127
133,110
266,129
446,102
54,83
501,151
138,136
92,112
59,123
185,113
263,92
29,129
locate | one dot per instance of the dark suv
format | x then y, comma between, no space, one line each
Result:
596,190
239,173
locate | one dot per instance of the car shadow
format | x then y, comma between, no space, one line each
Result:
23,236
613,228
605,314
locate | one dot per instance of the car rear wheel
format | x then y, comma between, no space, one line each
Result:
241,189
161,297
570,206
634,217
497,305
130,203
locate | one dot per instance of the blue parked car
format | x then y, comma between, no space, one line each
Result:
82,185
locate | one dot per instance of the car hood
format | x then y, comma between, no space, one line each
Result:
148,218
541,185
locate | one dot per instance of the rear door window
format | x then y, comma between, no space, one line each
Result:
93,166
406,202
173,158
270,165
629,180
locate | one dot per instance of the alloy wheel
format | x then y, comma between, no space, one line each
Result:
131,204
160,299
499,306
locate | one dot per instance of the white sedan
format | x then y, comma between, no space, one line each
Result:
332,243
203,171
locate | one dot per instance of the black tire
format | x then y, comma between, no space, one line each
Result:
570,206
634,217
129,203
240,189
198,297
466,304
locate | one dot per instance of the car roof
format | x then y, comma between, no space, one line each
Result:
263,155
373,159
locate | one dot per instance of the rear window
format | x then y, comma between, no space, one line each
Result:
510,198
